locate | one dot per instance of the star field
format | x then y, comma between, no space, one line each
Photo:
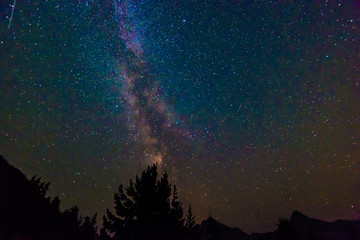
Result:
253,107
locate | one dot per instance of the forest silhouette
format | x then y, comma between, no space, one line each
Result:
147,208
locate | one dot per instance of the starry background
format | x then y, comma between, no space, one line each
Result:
251,106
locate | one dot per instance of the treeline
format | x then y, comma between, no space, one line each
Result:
148,208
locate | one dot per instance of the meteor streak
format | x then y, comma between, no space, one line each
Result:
12,13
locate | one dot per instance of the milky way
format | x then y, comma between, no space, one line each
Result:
251,106
149,117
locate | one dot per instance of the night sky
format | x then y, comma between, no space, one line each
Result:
253,107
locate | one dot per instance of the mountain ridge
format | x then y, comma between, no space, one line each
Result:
15,190
299,227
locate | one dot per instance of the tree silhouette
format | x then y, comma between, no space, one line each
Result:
88,227
147,209
75,224
190,219
27,213
192,230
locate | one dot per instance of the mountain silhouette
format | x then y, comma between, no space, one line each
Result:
299,227
27,213
212,229
307,227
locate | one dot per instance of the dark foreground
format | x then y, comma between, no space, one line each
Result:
26,213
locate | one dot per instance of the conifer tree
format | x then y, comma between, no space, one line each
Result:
190,219
146,209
